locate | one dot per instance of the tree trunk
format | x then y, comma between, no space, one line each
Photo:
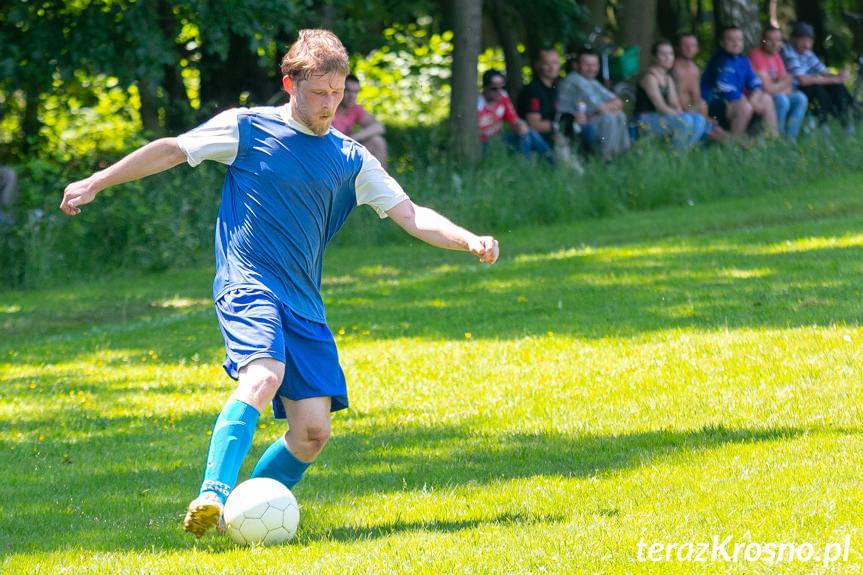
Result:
178,108
597,18
673,18
638,27
149,107
741,13
223,80
506,33
463,127
31,125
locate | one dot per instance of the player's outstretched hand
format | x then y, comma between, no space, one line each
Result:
77,194
486,249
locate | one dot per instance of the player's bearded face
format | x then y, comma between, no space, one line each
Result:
314,100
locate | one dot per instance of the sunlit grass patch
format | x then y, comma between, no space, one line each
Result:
669,376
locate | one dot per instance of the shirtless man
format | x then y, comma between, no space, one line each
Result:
687,76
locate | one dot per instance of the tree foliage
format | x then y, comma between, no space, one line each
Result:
164,65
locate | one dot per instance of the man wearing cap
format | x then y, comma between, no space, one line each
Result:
826,91
494,109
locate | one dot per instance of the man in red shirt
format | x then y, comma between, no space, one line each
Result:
789,102
494,109
353,120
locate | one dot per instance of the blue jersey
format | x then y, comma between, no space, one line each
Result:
286,193
727,77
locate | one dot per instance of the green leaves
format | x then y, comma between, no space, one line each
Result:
406,81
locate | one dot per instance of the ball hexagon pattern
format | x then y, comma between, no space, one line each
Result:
261,511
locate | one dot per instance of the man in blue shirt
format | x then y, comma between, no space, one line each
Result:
732,90
290,185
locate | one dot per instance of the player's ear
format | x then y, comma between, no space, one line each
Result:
288,84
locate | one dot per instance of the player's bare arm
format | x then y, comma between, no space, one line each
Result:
157,156
431,227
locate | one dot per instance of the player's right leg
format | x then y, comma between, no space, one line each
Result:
231,440
254,345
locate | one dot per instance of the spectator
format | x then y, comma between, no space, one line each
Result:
790,104
573,122
537,103
494,108
8,193
353,120
657,103
602,106
826,91
732,90
687,76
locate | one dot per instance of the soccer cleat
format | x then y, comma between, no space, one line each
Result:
203,513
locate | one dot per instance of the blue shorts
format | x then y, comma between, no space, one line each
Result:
256,325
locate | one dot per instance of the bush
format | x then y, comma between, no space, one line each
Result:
164,221
167,221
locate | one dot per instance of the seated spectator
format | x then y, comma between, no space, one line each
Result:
790,104
732,90
573,122
352,120
8,193
687,76
827,93
494,108
537,101
657,105
602,106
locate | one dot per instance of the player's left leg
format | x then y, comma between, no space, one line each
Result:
290,455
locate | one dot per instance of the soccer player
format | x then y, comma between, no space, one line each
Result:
290,185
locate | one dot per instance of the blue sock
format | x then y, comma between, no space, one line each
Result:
279,463
229,444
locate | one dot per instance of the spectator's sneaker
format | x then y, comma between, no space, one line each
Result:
203,513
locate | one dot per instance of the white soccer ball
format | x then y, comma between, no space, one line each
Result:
261,511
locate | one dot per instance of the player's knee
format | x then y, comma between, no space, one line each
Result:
263,387
307,442
316,437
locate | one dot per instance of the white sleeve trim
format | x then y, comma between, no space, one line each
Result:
376,188
218,139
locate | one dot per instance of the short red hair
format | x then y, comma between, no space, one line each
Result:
315,53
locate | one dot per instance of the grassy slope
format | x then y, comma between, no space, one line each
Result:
668,376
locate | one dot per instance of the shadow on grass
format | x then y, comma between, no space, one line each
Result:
351,533
760,278
122,491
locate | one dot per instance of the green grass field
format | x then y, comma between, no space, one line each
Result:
668,377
